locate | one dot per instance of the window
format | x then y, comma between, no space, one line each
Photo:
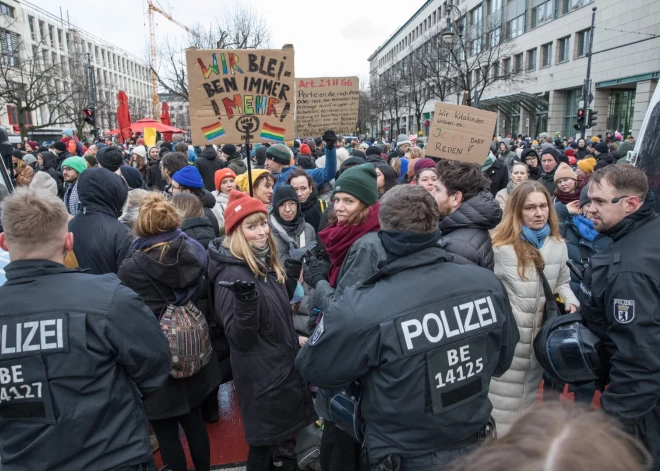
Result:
496,70
59,39
563,45
6,10
494,37
32,33
506,66
41,30
570,110
477,31
516,27
542,14
495,6
546,55
531,60
9,47
12,114
51,35
517,63
582,43
570,5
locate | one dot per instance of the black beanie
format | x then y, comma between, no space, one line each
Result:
166,145
260,155
229,149
552,151
373,150
17,153
110,157
602,147
358,153
282,194
60,146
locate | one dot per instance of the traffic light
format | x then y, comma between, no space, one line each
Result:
581,115
591,119
89,116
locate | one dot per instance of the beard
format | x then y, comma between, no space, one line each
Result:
444,209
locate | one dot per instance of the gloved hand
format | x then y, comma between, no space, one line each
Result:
330,139
293,268
313,273
244,291
299,254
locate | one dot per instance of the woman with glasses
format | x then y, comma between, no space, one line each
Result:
531,158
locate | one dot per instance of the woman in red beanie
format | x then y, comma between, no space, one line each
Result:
225,181
251,299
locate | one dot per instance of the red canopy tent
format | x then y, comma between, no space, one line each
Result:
165,119
123,117
149,123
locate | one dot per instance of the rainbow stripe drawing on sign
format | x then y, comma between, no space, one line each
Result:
272,133
213,131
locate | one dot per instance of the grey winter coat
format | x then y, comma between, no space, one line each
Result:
464,233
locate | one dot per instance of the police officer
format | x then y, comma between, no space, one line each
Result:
423,335
76,352
620,299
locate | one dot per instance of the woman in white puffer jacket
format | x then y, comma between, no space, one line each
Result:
527,237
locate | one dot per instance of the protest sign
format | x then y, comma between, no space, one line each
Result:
460,133
233,90
149,135
326,103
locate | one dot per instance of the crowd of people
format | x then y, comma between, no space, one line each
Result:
154,274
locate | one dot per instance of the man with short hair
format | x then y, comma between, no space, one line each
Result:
71,170
171,163
278,162
549,164
603,155
78,351
467,212
425,360
620,295
59,149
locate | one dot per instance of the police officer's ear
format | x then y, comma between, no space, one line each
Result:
3,242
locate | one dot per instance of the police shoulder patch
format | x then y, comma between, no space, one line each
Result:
317,333
624,311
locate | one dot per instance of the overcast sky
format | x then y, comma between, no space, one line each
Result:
331,39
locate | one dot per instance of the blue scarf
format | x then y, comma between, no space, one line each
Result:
585,227
535,237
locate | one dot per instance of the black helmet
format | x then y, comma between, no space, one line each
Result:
569,351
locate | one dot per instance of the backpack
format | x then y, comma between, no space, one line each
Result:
187,335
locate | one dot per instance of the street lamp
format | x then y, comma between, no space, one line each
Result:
449,34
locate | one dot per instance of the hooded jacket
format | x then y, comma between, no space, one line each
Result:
50,167
208,203
534,172
102,242
207,164
274,399
112,351
61,158
464,233
180,269
235,164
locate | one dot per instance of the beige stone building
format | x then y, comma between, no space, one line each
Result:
548,44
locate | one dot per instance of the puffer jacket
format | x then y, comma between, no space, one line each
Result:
516,390
464,233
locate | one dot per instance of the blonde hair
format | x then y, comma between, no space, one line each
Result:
157,215
396,165
509,230
189,205
558,436
240,248
416,152
31,218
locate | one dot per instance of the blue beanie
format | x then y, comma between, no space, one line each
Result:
189,177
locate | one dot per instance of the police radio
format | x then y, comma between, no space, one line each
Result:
577,270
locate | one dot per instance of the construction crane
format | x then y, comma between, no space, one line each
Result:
152,39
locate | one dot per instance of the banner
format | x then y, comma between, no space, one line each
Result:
326,103
149,135
460,133
231,91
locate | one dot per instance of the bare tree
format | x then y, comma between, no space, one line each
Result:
415,86
241,28
32,82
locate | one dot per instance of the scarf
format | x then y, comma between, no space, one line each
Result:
399,244
585,227
338,239
575,195
534,172
74,201
509,187
262,254
535,237
490,160
311,209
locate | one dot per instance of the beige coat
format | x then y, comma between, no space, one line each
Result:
501,197
517,389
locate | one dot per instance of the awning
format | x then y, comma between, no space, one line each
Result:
509,104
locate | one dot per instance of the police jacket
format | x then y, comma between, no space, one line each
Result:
465,231
74,363
424,359
619,300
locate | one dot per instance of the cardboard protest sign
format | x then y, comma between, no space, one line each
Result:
238,89
460,133
326,103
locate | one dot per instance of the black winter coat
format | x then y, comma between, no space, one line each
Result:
199,229
603,160
498,175
50,167
464,233
179,269
208,163
102,243
274,399
208,202
580,250
154,177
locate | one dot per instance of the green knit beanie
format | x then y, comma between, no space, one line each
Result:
279,153
359,181
77,163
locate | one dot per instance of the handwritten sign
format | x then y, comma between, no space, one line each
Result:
326,103
460,133
231,91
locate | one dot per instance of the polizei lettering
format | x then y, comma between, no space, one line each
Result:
32,335
420,332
